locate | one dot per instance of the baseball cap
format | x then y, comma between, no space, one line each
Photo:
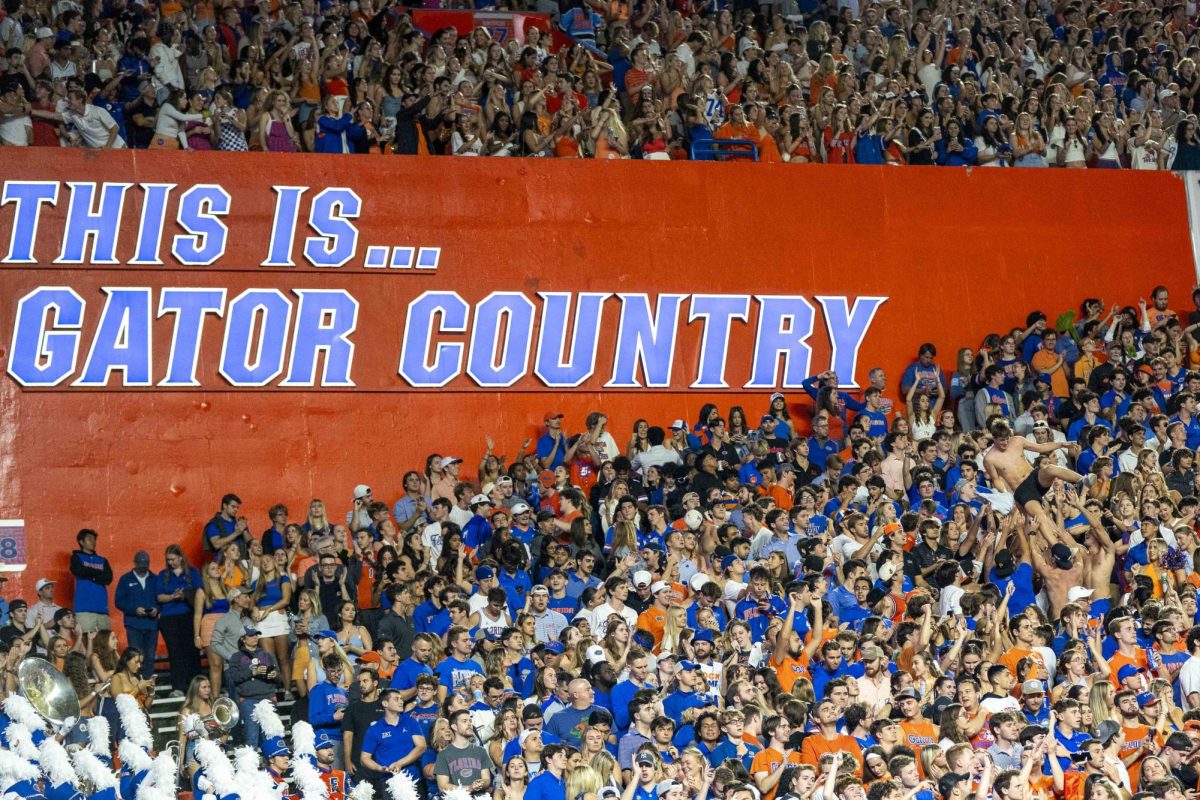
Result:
484,572
504,480
728,561
678,425
552,415
688,666
44,33
658,586
871,653
249,631
1166,93
234,592
361,491
642,578
37,587
777,396
1062,556
1005,563
644,759
539,589
1041,423
555,647
1078,593
767,418
141,559
595,654
887,571
325,634
324,740
488,488
1032,687
447,461
525,734
1126,672
520,508
1106,730
18,603
481,499
948,781
703,635
697,581
1146,699
909,692
371,657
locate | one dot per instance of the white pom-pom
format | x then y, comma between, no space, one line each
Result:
308,780
161,783
133,720
14,768
253,783
93,771
133,757
21,739
363,791
22,711
55,762
99,739
401,786
267,717
457,793
304,739
216,766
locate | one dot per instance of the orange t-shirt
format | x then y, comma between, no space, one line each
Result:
1119,660
817,745
918,733
769,761
1013,655
1135,736
654,621
768,150
1043,361
789,669
782,496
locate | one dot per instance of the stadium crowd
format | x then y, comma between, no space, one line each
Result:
982,584
1033,84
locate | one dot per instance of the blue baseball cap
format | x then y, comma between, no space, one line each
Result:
727,562
555,647
484,573
326,634
1126,672
703,635
688,666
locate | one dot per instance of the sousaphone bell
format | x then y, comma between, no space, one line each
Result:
48,691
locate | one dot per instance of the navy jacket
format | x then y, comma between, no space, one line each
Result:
131,596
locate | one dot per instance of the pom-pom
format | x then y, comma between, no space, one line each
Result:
56,763
308,780
457,793
401,786
21,711
99,740
134,759
14,768
162,777
216,766
363,791
253,782
93,771
304,739
133,720
268,720
21,739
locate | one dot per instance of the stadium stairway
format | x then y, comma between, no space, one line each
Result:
164,711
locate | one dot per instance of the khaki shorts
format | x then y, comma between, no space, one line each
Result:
87,621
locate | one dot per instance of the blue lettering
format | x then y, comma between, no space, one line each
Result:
44,350
415,366
784,325
579,366
324,322
718,312
283,226
101,227
190,307
645,339
123,340
154,217
267,352
513,311
329,216
199,208
847,329
28,196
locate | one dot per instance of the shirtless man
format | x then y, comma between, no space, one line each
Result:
1009,471
1101,556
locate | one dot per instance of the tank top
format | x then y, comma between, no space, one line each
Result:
231,138
278,140
493,625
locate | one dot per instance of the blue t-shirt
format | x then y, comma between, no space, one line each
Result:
545,444
454,673
405,676
1022,581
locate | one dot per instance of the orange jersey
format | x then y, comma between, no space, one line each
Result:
337,782
769,761
918,733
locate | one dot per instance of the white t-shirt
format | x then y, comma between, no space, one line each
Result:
603,612
951,600
16,131
1143,157
1189,678
431,537
93,126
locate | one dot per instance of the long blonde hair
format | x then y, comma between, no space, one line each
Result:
582,781
673,629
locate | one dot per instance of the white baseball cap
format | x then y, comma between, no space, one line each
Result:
595,654
659,586
447,461
361,491
642,578
481,498
44,33
488,488
520,508
37,587
678,425
1078,593
887,571
698,580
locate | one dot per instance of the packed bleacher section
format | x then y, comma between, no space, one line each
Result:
976,577
1034,84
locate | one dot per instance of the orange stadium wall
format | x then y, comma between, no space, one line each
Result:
695,282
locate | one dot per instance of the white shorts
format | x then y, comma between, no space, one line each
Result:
274,624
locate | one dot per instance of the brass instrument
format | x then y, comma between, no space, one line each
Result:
48,691
222,719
